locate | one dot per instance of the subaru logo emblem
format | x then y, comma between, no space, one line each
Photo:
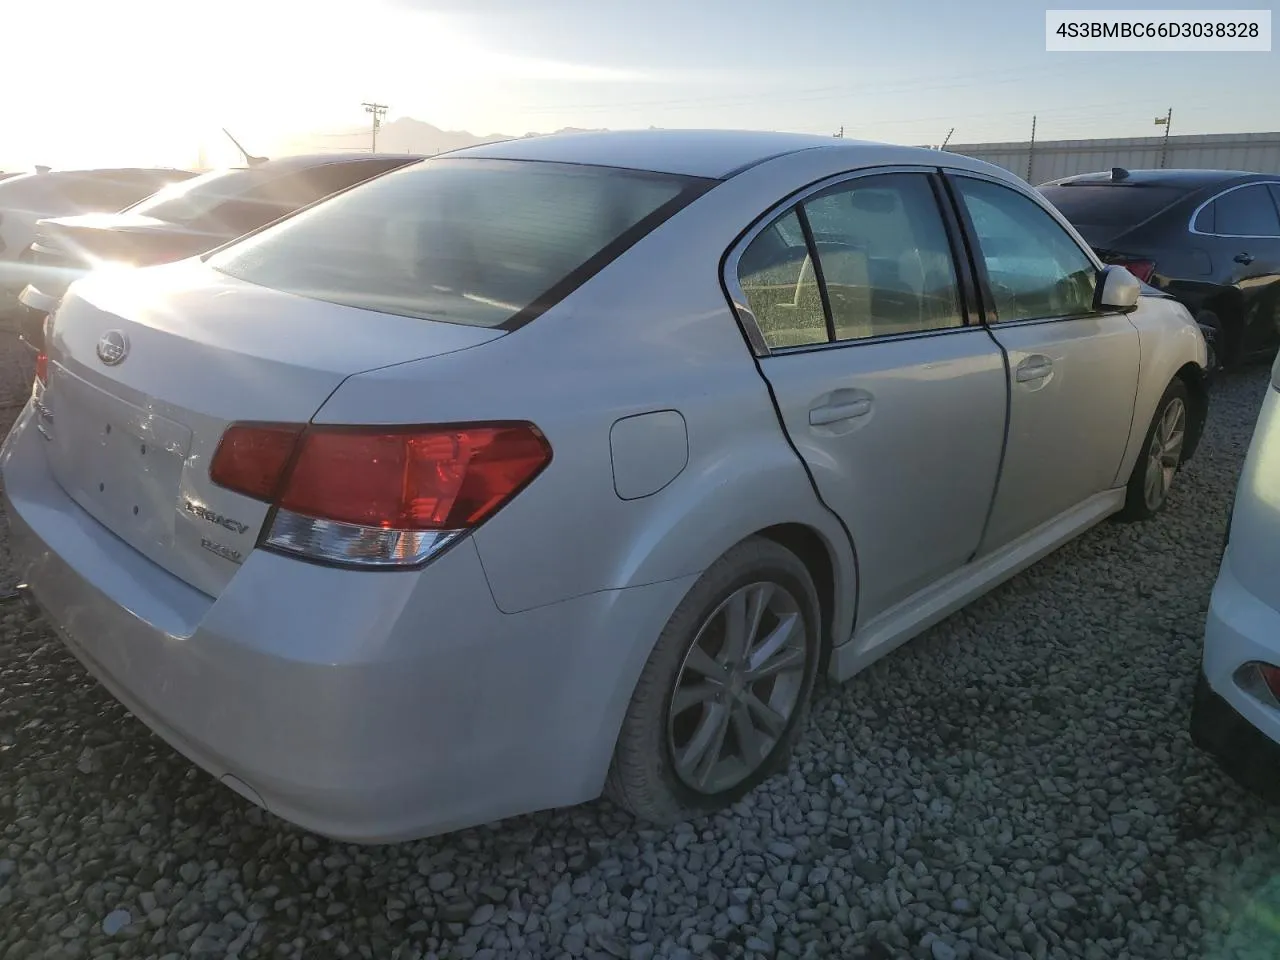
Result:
113,347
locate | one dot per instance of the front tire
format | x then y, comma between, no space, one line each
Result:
1161,456
1211,328
725,691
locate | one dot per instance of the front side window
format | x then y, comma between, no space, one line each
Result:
884,257
1247,212
477,242
1034,268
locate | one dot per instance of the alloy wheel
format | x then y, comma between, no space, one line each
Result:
738,688
1165,453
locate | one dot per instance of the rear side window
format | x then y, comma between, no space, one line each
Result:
777,276
479,242
884,263
1207,219
1246,212
885,259
1111,205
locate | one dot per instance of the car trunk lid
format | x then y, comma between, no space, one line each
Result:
147,371
128,239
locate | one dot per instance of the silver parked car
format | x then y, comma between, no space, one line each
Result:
565,465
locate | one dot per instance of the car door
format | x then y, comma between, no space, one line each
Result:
893,399
1243,224
1073,370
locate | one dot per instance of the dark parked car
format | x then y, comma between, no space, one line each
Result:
184,220
1209,238
25,198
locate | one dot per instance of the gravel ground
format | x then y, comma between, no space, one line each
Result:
1017,783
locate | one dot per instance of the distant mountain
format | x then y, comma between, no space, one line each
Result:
402,135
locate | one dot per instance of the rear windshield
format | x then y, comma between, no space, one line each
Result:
1111,206
191,199
479,242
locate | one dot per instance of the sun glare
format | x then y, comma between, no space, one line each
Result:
157,85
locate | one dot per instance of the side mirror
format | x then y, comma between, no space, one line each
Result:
1118,289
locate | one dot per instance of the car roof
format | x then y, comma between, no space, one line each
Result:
1186,179
304,160
713,154
107,171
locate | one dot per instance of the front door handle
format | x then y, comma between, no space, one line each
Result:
835,412
1035,367
1246,258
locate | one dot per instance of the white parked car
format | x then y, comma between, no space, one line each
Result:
570,461
1236,712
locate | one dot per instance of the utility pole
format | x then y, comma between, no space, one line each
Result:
947,138
1167,122
379,110
1031,150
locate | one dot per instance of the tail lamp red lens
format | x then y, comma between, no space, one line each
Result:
251,458
437,478
1271,677
1144,270
1260,680
42,367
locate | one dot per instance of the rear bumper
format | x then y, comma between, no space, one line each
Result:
1242,750
1240,731
367,707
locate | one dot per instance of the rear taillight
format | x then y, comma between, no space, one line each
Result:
1271,677
1261,681
377,496
1144,270
42,367
251,458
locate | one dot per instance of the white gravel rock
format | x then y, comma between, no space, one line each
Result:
115,921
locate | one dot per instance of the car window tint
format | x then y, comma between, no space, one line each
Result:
106,193
189,200
263,202
1247,212
1033,266
781,287
333,177
884,256
1206,218
1111,204
469,241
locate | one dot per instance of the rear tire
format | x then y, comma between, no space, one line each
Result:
1160,457
732,671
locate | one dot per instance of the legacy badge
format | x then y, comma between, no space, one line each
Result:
204,513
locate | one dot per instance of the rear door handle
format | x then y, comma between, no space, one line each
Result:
1245,258
835,412
1033,368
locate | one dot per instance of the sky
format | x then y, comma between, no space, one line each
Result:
154,81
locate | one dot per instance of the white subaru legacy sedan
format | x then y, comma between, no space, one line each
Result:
563,466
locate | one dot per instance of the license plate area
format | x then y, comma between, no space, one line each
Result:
121,462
